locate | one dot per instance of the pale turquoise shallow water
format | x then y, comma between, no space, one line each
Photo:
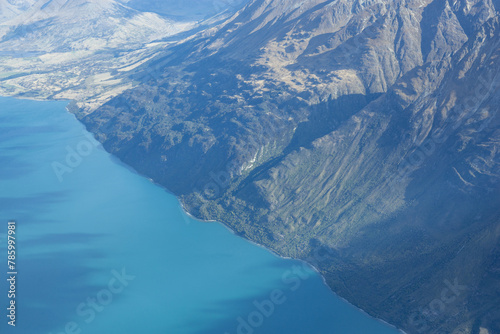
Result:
78,231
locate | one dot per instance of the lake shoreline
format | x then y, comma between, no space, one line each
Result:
188,214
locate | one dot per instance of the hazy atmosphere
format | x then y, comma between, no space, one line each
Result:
250,166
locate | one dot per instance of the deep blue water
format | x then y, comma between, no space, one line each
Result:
102,250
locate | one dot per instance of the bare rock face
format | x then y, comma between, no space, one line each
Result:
364,131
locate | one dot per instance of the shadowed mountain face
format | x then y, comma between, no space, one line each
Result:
361,136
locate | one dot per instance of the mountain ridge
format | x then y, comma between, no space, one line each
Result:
359,136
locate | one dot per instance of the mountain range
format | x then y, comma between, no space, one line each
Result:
360,136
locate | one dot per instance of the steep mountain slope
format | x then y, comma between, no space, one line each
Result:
360,136
12,8
410,216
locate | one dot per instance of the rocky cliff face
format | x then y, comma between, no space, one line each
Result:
12,8
360,136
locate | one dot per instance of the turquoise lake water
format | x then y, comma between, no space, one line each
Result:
102,250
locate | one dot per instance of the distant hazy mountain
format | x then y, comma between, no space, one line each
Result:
12,8
186,10
50,26
365,131
361,136
82,49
